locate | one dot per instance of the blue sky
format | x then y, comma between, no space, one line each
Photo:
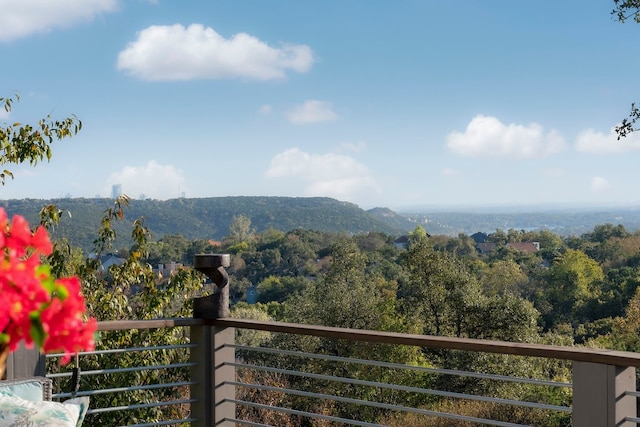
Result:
381,103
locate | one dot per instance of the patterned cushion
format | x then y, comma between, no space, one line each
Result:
15,411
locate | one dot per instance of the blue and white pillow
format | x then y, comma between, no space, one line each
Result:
15,411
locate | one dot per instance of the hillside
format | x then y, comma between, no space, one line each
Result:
209,218
205,218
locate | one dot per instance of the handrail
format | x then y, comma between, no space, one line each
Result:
116,325
577,354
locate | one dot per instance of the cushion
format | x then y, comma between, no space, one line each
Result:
15,411
28,389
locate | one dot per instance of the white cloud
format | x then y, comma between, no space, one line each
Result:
152,180
590,141
198,52
600,185
486,136
329,175
21,18
311,111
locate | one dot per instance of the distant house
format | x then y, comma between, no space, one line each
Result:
108,260
486,247
479,237
401,242
167,270
529,247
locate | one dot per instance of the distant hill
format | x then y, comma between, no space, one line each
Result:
206,218
563,222
393,219
209,218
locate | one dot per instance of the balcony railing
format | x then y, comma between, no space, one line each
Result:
220,386
212,379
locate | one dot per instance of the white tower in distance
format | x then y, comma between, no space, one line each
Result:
116,191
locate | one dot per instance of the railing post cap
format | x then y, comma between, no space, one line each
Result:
211,261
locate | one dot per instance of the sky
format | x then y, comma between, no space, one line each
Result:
380,103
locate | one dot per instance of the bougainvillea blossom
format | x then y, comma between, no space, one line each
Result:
35,307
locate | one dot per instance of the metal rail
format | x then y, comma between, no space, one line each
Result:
574,354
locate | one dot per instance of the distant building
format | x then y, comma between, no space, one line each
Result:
401,242
479,237
108,260
116,191
167,270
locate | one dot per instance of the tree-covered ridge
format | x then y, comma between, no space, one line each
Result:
210,218
205,218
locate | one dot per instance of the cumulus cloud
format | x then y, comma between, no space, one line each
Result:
329,175
590,141
152,180
486,136
25,17
311,111
198,52
600,185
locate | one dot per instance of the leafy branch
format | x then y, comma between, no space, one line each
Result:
26,143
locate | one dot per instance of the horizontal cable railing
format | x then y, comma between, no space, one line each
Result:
123,392
153,381
301,387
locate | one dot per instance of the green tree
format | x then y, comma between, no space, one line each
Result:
20,143
572,281
279,289
240,229
129,291
625,333
503,277
438,289
347,297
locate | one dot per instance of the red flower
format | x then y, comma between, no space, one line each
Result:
38,309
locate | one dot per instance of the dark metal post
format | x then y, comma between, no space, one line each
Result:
212,356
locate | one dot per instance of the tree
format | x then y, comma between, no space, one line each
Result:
438,289
132,292
572,281
347,297
623,10
503,277
279,289
20,143
626,9
240,229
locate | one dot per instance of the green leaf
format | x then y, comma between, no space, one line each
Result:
37,331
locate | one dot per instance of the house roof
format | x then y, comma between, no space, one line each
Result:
479,237
524,246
